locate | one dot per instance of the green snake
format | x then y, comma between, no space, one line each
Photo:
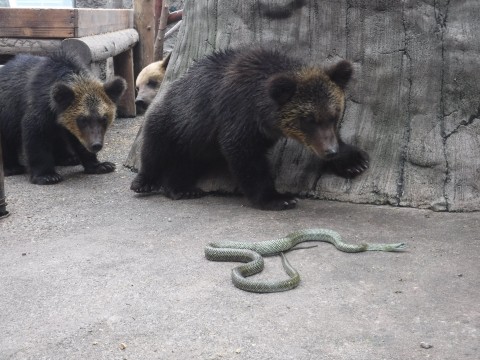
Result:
251,254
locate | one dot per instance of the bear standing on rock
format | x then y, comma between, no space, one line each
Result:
231,107
55,111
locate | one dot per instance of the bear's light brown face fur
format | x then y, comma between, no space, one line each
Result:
148,82
312,102
86,107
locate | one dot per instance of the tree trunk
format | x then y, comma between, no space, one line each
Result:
414,103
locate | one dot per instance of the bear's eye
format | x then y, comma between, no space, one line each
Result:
82,122
332,120
104,120
152,83
308,119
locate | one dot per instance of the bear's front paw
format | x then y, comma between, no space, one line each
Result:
351,163
100,168
48,179
280,202
175,194
141,185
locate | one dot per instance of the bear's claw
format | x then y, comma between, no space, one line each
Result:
351,164
193,193
49,179
100,168
281,202
141,186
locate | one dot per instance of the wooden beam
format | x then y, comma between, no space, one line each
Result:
175,16
99,21
37,23
62,23
144,19
159,40
13,46
123,66
100,47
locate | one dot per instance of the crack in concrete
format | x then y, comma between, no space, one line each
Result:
408,130
463,123
402,50
215,26
441,19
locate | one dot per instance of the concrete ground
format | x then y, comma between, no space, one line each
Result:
88,270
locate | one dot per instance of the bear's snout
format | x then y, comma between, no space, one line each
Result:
92,138
324,143
141,106
331,152
96,147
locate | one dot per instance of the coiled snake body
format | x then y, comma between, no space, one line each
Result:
251,254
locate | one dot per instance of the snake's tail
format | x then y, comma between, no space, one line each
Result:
386,247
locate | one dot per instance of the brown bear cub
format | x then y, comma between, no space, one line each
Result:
231,107
148,82
56,112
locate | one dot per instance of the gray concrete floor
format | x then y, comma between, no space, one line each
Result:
88,270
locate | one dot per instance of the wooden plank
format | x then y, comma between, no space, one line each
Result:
62,23
99,21
37,23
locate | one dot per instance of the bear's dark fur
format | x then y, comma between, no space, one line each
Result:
56,112
232,106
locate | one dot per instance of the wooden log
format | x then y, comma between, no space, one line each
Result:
413,104
14,46
144,18
118,45
175,16
123,66
158,12
172,30
100,47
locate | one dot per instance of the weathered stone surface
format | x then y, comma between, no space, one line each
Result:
414,104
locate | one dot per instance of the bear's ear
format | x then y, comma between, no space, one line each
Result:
62,96
166,60
281,88
341,73
115,88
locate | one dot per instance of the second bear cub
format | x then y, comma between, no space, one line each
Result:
232,106
54,112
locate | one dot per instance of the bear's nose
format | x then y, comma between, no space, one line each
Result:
330,153
96,147
141,106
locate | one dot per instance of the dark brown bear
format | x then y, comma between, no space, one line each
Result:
56,112
231,107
